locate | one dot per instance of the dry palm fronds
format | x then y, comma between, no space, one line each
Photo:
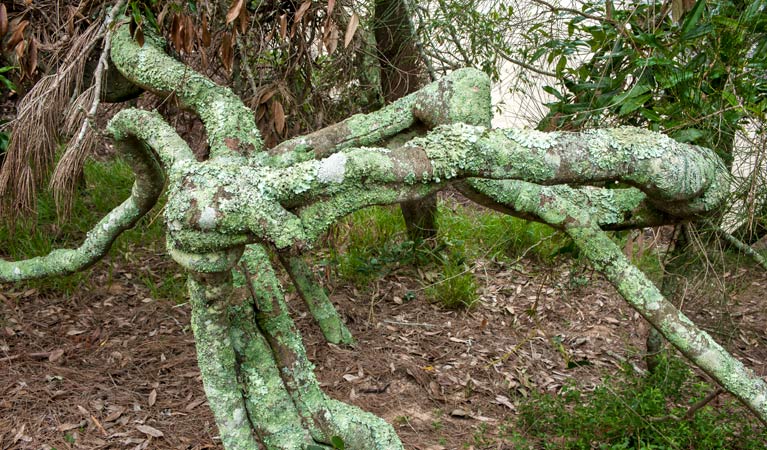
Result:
34,137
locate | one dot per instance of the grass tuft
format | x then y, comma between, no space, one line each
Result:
630,411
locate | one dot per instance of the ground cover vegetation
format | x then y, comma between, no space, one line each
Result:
248,341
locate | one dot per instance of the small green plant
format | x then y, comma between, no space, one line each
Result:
636,412
372,242
368,244
5,82
456,287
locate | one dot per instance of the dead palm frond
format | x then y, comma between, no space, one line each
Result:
36,129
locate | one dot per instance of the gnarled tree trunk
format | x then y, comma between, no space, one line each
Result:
231,211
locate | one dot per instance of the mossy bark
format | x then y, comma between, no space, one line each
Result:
209,297
313,294
325,417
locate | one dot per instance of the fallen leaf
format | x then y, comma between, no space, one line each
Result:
459,413
195,403
114,415
56,355
151,431
152,397
71,426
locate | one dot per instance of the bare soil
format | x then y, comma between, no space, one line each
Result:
112,367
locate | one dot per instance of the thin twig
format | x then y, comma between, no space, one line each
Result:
743,247
525,65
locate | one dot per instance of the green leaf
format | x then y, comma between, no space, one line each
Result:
137,18
691,19
687,135
337,443
633,103
730,98
633,92
151,18
561,65
7,83
650,115
554,92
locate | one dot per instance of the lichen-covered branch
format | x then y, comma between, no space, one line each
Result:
324,416
642,295
612,209
151,129
230,125
461,97
230,198
322,310
146,189
275,418
209,296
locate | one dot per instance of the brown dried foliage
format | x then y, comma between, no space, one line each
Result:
35,134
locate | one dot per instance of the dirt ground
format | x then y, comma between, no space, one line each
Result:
112,367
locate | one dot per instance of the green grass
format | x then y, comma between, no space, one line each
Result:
107,184
492,235
630,411
456,286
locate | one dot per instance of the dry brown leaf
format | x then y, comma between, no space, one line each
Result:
205,31
56,355
278,116
152,397
260,112
114,415
71,426
243,19
195,403
268,94
234,10
151,431
283,26
18,35
3,20
301,11
331,38
188,34
227,51
163,13
351,29
331,6
176,32
31,60
139,36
